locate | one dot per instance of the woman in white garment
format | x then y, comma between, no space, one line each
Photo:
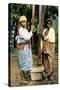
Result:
48,48
24,55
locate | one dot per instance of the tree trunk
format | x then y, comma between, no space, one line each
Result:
41,20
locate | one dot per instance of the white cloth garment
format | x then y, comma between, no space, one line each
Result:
51,35
25,60
24,35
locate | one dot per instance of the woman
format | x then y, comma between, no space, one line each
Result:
25,61
47,47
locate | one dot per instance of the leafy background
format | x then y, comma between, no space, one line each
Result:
16,10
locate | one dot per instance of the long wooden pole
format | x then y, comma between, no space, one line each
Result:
33,16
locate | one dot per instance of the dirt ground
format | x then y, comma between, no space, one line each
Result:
15,73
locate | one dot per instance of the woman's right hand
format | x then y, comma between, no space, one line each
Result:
42,36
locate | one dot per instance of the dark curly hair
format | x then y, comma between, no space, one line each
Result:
48,20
